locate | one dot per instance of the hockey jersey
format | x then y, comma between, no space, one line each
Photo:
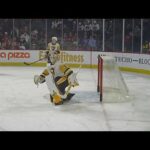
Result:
53,48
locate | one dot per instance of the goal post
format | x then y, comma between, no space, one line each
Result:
100,77
110,82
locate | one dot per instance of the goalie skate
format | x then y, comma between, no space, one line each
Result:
67,99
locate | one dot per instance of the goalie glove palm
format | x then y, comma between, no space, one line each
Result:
39,79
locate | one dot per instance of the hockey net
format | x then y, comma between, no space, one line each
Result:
111,85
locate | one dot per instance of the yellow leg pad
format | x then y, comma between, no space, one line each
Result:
56,99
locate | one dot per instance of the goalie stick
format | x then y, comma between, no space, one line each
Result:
78,69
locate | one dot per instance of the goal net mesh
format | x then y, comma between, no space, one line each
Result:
112,86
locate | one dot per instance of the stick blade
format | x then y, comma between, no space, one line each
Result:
26,63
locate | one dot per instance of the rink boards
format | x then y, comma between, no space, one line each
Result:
139,63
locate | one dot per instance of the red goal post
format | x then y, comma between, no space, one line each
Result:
100,77
111,85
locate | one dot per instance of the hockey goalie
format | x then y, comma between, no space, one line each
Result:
58,77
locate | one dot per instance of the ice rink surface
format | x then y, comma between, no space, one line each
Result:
24,107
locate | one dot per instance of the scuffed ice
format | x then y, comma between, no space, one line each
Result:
24,107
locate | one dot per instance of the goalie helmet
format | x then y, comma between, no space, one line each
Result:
54,39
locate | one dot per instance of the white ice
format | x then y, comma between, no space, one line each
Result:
24,107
